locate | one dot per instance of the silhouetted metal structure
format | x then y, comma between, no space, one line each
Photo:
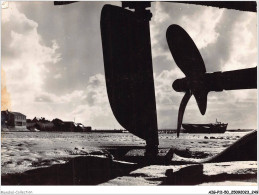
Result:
128,69
197,82
129,73
236,5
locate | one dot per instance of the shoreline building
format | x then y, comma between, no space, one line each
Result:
13,119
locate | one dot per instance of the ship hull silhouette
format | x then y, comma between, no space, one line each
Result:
205,128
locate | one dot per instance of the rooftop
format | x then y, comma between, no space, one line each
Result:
14,113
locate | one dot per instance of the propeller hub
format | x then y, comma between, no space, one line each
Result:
180,85
189,83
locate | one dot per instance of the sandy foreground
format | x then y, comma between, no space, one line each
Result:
34,153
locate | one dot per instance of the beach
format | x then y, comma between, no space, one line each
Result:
30,151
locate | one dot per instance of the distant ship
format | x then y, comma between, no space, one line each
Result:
217,127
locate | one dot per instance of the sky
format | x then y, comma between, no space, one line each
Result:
52,62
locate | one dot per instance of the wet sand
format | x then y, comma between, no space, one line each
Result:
28,151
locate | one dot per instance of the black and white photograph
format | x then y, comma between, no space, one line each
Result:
129,93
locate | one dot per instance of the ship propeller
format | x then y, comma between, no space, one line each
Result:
189,60
197,82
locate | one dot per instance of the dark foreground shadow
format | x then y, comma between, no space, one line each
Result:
193,175
88,170
136,154
119,152
244,149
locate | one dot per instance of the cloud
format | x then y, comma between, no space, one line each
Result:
199,22
90,107
24,57
43,98
167,100
57,76
52,56
244,44
95,108
76,29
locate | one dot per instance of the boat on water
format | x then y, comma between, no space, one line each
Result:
217,127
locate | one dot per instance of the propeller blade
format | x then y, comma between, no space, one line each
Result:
201,99
199,89
188,58
181,110
184,51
